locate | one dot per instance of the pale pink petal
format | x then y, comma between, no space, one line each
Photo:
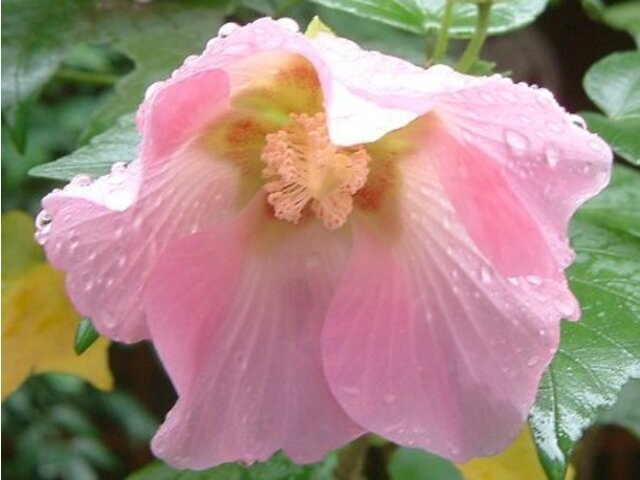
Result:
107,234
366,94
426,343
181,110
236,316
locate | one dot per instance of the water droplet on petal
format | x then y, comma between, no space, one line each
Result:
190,59
565,305
389,398
81,180
351,390
43,227
552,156
534,280
555,127
533,361
289,24
516,141
578,121
119,200
119,167
227,29
595,146
151,89
513,281
485,275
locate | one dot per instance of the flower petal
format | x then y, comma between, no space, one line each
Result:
236,319
429,345
107,234
366,94
516,167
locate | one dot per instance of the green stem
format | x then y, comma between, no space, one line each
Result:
443,35
477,41
79,76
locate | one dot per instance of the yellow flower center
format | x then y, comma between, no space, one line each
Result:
304,167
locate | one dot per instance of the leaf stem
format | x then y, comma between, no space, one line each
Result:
443,34
470,55
79,76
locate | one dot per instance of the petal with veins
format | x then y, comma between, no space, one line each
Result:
236,319
510,152
429,345
108,253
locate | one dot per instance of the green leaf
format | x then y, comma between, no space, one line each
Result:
277,467
421,16
86,335
622,134
626,411
374,35
601,352
118,144
623,16
172,31
413,464
613,84
37,35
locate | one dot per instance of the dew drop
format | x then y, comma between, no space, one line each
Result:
516,141
533,361
119,200
351,390
534,280
552,156
564,305
289,24
389,398
554,127
81,180
485,275
43,227
595,146
151,89
513,281
578,121
119,168
227,29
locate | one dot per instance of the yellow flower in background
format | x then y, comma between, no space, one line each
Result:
38,321
518,462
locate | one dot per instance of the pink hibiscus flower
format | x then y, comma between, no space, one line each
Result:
322,241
